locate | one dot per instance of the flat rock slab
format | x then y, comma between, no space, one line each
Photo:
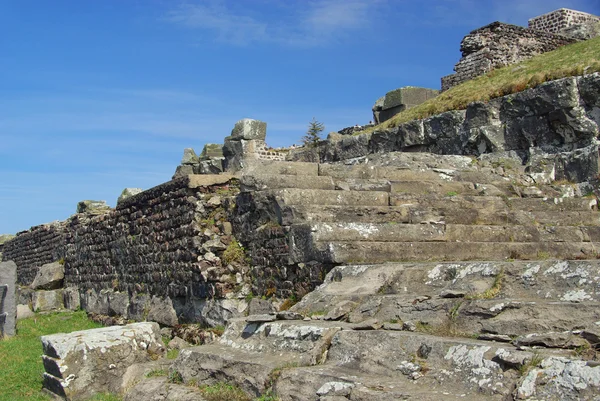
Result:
8,305
159,389
82,363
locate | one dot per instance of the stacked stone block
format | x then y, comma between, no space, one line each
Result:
497,45
154,242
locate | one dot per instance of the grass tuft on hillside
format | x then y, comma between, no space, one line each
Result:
571,60
21,356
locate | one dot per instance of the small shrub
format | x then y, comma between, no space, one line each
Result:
234,253
175,377
157,373
223,392
172,354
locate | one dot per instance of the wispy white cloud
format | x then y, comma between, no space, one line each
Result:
310,23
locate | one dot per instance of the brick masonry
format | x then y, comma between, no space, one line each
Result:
559,19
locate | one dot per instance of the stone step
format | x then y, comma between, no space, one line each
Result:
544,280
214,363
393,232
328,382
450,213
260,182
444,188
280,167
553,204
380,252
293,196
303,342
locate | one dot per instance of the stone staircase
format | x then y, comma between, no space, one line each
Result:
448,280
367,214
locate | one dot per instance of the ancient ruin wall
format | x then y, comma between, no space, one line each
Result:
37,246
155,242
497,45
557,20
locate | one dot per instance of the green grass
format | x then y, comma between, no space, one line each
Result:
223,392
21,356
576,59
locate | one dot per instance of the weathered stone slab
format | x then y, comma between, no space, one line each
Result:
8,307
45,301
82,363
49,277
249,129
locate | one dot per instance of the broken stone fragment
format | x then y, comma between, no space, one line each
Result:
82,363
271,317
49,277
551,340
189,157
128,193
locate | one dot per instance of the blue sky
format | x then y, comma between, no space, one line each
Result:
99,95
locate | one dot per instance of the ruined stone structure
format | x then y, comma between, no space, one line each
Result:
399,100
558,20
454,257
497,45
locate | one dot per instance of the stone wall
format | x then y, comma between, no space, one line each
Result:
165,243
35,247
560,19
275,270
553,125
497,45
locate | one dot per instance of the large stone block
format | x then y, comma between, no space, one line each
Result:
50,277
249,129
80,364
8,307
400,99
45,301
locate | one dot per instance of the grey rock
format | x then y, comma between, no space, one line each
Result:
249,129
92,207
513,359
183,170
369,324
24,312
189,157
159,389
128,193
558,378
258,306
45,301
178,343
212,166
49,277
261,318
71,298
495,337
81,363
393,326
288,315
211,151
341,310
551,340
141,372
8,301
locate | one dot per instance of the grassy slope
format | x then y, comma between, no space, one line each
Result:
20,356
576,59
